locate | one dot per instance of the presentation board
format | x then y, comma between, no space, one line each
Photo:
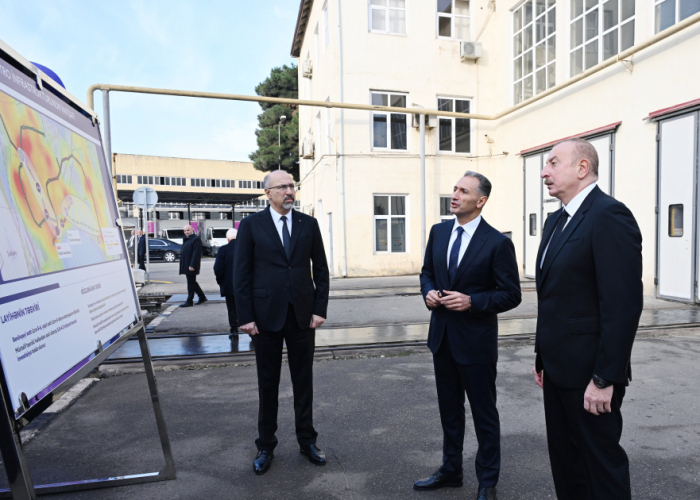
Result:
65,284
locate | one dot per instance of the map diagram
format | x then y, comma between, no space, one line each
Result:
54,213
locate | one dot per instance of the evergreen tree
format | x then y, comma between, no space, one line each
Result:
282,82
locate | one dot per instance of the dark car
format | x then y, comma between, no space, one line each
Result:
167,250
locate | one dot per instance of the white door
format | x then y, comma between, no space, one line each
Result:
603,147
533,212
677,170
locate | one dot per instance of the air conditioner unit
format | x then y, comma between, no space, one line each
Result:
307,69
470,50
431,121
307,147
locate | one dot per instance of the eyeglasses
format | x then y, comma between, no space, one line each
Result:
284,187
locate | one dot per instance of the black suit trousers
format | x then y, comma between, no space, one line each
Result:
268,356
232,317
587,460
478,381
193,288
142,262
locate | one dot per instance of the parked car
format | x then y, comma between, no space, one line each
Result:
167,250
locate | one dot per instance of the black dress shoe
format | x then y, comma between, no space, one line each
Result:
186,304
438,480
315,454
202,300
262,462
487,494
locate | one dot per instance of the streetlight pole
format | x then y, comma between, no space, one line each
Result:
279,139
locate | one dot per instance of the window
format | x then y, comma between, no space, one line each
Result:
326,27
390,223
174,215
387,16
534,48
445,213
199,215
328,127
453,19
389,129
669,12
533,225
454,133
319,138
599,30
124,179
675,221
316,44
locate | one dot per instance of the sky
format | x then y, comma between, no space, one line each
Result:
210,46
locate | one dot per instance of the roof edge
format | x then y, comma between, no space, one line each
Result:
300,29
588,133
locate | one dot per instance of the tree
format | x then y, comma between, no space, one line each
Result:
282,82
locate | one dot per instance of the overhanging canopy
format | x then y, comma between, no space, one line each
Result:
185,197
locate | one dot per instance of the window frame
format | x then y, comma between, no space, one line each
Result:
443,218
452,16
388,218
326,27
676,14
372,114
519,58
454,128
602,33
386,9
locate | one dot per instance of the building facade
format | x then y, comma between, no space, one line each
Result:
640,113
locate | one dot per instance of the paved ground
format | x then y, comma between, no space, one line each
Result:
378,422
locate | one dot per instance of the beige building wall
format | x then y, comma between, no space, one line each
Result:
425,67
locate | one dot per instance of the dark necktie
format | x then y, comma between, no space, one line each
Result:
563,218
285,235
454,254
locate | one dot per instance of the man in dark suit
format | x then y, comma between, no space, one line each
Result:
590,295
224,272
469,276
277,302
142,251
190,262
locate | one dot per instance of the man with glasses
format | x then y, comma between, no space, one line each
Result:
277,303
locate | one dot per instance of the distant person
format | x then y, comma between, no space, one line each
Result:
276,300
131,246
223,270
190,261
142,251
469,276
590,298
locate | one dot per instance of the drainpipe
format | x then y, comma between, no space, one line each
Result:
342,147
422,188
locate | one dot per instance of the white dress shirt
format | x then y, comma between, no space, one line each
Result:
131,241
571,209
469,229
279,224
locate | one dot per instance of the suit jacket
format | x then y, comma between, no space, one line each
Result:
590,294
488,273
223,268
142,246
267,282
191,255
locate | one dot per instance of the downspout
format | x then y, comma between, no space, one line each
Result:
342,147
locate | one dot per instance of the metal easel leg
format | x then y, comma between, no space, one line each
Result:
15,462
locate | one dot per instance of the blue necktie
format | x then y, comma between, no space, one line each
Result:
454,254
285,235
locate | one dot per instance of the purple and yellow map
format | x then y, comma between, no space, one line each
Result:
53,211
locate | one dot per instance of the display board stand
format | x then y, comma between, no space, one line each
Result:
15,460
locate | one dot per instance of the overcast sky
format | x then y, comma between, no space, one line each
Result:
214,46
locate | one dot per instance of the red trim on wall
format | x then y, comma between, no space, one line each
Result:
672,109
595,131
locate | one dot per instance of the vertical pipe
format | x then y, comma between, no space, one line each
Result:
148,249
422,187
108,133
189,215
233,215
342,147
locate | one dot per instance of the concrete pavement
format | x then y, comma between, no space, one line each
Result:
378,422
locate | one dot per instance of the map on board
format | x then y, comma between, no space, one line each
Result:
54,214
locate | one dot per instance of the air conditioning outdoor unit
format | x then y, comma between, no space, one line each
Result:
307,147
307,69
470,50
431,121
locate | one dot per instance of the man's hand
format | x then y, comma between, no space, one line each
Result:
316,321
539,377
597,401
191,268
250,328
456,301
432,300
